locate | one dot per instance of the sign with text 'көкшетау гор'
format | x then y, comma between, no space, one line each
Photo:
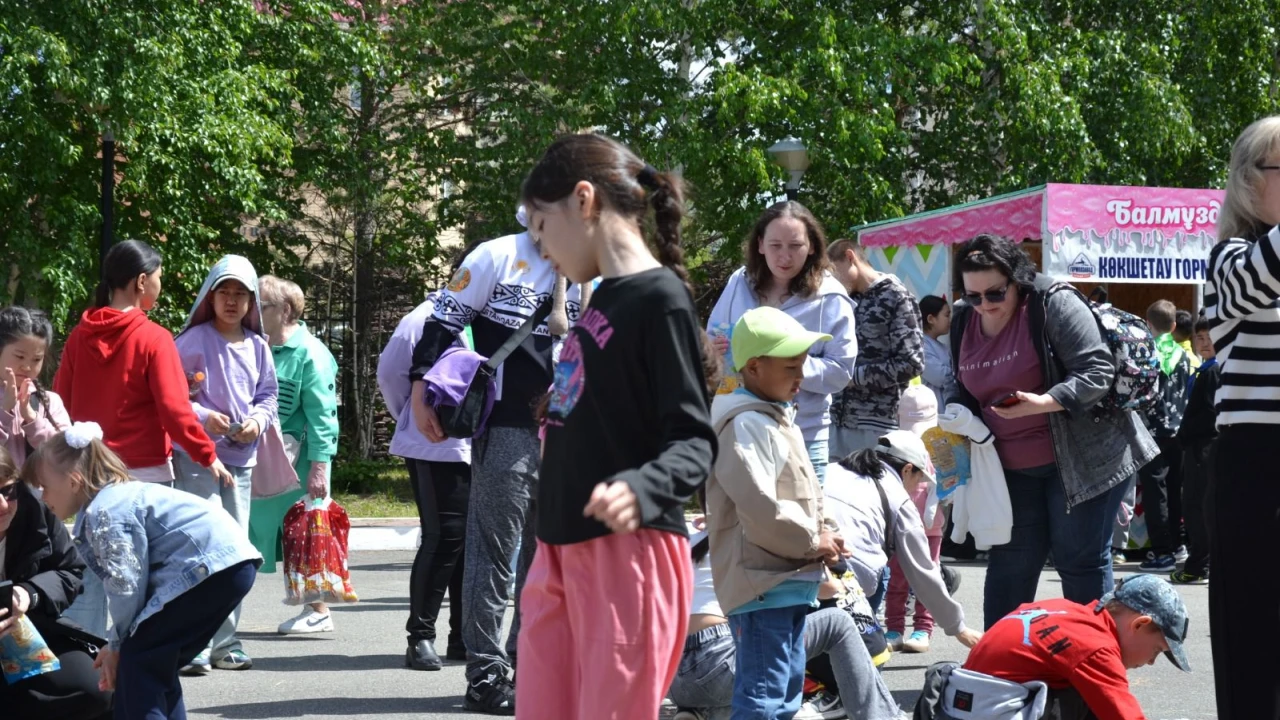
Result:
1102,233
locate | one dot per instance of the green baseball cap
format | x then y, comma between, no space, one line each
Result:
769,332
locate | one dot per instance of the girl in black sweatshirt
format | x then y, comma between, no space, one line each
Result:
628,443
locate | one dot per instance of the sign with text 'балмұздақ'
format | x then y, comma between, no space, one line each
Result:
1101,233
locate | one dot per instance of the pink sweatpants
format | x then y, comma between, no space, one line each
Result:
895,600
603,625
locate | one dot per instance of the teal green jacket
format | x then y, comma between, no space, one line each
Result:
308,375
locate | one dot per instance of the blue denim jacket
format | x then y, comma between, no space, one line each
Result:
150,543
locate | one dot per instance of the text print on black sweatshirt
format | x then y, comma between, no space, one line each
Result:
499,286
629,405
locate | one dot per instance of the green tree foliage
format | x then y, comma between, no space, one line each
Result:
195,121
365,137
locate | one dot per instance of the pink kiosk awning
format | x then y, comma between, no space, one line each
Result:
1095,233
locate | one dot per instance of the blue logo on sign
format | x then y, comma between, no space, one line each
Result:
1081,267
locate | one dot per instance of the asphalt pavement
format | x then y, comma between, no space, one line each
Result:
358,670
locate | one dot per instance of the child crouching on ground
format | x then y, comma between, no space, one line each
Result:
765,519
1067,661
151,546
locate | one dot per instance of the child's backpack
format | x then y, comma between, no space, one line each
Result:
1164,417
1137,382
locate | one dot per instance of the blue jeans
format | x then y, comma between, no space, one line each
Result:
147,683
192,478
818,456
704,680
877,600
1080,541
769,680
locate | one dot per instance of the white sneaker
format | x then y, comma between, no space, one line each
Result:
823,706
199,665
309,621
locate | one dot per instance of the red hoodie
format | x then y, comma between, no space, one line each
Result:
123,372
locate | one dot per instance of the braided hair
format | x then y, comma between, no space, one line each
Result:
18,322
630,187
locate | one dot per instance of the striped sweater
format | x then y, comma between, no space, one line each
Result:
1241,305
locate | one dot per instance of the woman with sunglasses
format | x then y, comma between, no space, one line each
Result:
1034,364
37,556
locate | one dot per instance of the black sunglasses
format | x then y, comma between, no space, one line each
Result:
9,492
1268,167
992,296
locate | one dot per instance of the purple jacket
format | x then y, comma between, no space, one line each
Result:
393,381
448,380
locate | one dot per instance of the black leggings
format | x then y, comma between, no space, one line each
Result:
441,491
1244,596
70,693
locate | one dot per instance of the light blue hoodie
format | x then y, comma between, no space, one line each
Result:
830,365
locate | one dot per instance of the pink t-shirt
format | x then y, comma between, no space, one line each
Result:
991,368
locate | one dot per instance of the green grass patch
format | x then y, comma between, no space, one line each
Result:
376,506
374,489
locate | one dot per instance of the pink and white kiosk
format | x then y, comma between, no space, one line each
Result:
1142,243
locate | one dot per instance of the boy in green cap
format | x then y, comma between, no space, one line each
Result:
769,535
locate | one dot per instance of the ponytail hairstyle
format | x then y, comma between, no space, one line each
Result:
19,322
627,184
702,548
124,262
96,463
931,305
870,463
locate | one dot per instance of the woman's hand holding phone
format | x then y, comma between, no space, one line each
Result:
1024,404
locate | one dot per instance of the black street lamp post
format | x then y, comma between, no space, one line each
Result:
108,192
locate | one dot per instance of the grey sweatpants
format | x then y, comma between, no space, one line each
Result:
504,483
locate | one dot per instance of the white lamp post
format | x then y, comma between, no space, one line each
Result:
793,156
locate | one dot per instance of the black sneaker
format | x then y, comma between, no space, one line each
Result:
495,695
952,580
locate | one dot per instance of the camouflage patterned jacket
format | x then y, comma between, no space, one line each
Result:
890,354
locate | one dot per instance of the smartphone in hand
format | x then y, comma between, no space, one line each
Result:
6,596
1007,401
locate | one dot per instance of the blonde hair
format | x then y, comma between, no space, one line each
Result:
274,290
96,463
1240,211
8,468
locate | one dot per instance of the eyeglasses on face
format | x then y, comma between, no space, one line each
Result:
9,492
995,297
1268,167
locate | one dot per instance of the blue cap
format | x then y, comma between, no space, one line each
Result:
1153,596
